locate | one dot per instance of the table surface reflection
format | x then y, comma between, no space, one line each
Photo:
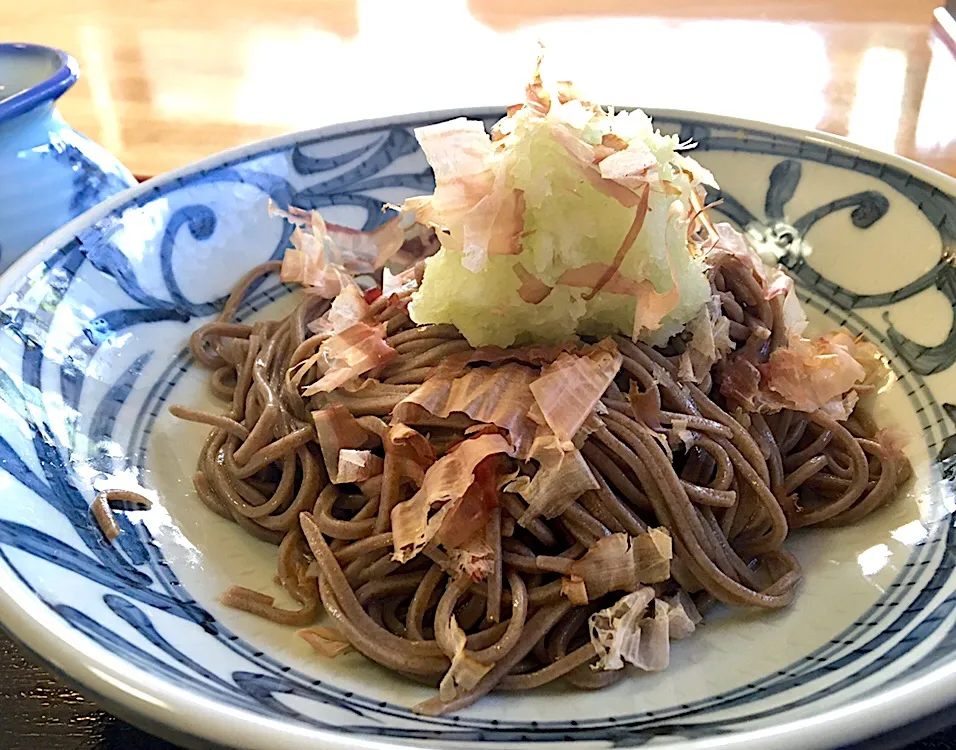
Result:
167,83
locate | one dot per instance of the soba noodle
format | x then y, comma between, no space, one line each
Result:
728,498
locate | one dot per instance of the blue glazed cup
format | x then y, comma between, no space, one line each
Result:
49,173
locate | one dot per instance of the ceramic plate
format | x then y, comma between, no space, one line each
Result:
94,326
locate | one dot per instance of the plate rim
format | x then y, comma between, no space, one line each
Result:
149,700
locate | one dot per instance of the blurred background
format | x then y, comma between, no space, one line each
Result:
167,82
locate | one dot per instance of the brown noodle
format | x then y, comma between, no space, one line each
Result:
729,501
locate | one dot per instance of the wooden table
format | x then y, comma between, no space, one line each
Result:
166,83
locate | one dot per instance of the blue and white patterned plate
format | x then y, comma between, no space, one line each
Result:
94,326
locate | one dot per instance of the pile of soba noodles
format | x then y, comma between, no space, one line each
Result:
540,453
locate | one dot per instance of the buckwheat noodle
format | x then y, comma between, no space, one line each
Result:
729,501
102,508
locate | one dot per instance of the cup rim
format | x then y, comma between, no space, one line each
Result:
49,89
